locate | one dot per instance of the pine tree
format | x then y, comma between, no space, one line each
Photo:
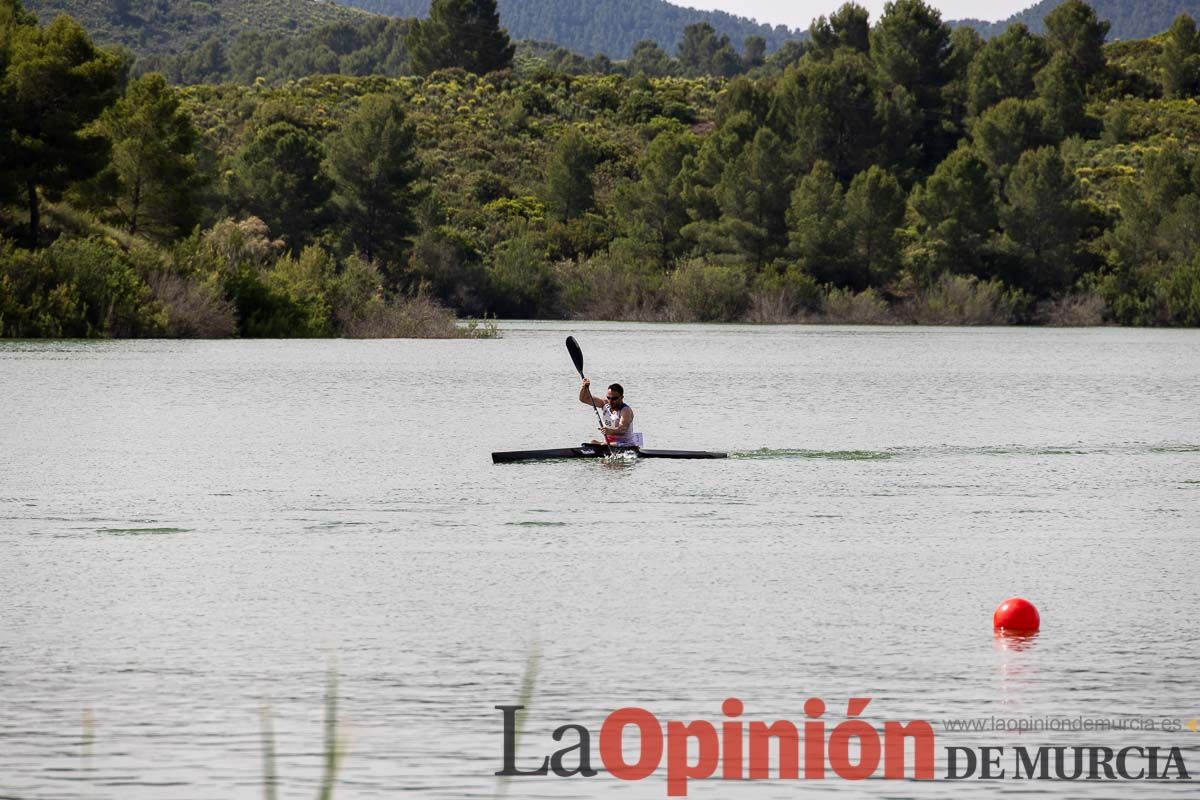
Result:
649,59
56,83
1180,61
1167,176
373,163
817,235
874,210
1061,95
1005,67
754,52
753,198
153,168
460,33
204,64
652,208
1006,130
829,110
568,189
702,172
1043,221
849,26
703,52
910,47
1074,30
954,213
965,45
279,179
13,17
746,97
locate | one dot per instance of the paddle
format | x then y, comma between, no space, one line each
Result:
577,357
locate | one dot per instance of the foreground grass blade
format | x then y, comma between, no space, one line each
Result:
333,754
528,684
270,777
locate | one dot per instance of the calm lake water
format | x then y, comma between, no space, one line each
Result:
191,531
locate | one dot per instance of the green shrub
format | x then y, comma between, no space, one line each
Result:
364,310
353,289
964,300
418,317
845,307
784,293
1085,309
305,281
521,279
446,263
263,313
617,285
1177,296
700,291
245,243
196,307
77,288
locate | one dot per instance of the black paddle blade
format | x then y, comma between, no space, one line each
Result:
576,354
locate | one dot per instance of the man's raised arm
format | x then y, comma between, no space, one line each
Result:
585,395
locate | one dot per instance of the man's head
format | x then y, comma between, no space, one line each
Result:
615,394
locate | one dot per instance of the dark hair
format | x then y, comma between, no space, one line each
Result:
616,387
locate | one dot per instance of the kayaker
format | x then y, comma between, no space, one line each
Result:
618,417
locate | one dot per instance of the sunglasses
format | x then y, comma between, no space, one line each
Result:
610,397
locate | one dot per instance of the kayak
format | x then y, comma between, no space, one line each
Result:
588,450
594,449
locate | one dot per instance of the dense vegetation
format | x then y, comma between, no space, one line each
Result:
202,33
895,172
221,46
113,179
365,46
381,46
1129,19
609,27
174,26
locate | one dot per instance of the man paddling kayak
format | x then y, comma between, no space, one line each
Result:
618,417
617,427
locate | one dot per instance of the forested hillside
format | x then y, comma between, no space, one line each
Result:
197,43
589,27
1131,19
897,171
157,28
173,26
611,27
369,45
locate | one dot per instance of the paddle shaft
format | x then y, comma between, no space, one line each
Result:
577,357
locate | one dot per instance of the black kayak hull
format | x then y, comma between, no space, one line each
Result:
597,451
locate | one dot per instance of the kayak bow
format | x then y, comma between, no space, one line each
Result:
588,450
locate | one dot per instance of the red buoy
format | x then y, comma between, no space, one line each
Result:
1016,615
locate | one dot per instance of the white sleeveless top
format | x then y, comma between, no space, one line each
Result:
612,419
